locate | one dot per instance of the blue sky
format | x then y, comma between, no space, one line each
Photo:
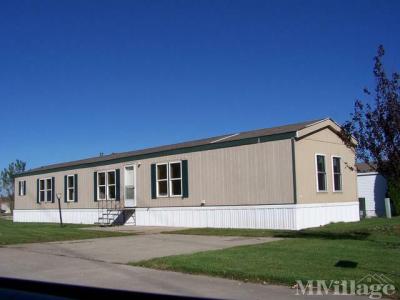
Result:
82,77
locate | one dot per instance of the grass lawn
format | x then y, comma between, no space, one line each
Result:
17,233
372,244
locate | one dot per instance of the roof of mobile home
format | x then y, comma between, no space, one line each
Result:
221,141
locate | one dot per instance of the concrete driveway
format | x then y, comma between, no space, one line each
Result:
137,247
100,263
19,263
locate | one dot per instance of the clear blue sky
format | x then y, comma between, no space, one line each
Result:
82,77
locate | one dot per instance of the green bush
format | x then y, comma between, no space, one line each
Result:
394,195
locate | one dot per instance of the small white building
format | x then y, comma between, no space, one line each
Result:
371,186
5,206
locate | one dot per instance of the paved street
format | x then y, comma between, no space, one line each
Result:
99,263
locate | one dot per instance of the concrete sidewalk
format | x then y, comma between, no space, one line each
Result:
137,247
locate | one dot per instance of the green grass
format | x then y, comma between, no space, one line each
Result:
17,233
372,244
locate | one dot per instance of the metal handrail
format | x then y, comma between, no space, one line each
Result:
105,209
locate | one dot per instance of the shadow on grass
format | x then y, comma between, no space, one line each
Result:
348,264
305,234
381,239
354,235
379,230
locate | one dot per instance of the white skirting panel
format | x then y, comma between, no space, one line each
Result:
314,215
291,216
74,216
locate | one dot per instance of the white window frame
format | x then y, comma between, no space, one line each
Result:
42,190
100,185
71,188
45,190
170,179
22,188
112,184
158,180
106,184
333,174
49,189
316,173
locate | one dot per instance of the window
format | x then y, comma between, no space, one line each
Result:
42,190
101,185
162,180
175,175
22,188
70,188
45,189
321,173
111,185
337,174
106,185
48,189
169,179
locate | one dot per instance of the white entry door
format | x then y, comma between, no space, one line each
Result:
130,186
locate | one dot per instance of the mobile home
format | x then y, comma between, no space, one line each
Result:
287,177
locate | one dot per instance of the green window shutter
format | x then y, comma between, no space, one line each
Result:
153,182
24,187
95,186
117,185
185,179
65,188
37,191
53,184
19,188
76,188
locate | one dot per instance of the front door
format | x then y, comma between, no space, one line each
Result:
130,186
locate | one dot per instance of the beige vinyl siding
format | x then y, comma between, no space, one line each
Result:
328,143
85,191
243,175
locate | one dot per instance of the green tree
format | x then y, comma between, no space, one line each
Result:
376,127
7,179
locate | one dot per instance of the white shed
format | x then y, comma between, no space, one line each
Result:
5,205
371,186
